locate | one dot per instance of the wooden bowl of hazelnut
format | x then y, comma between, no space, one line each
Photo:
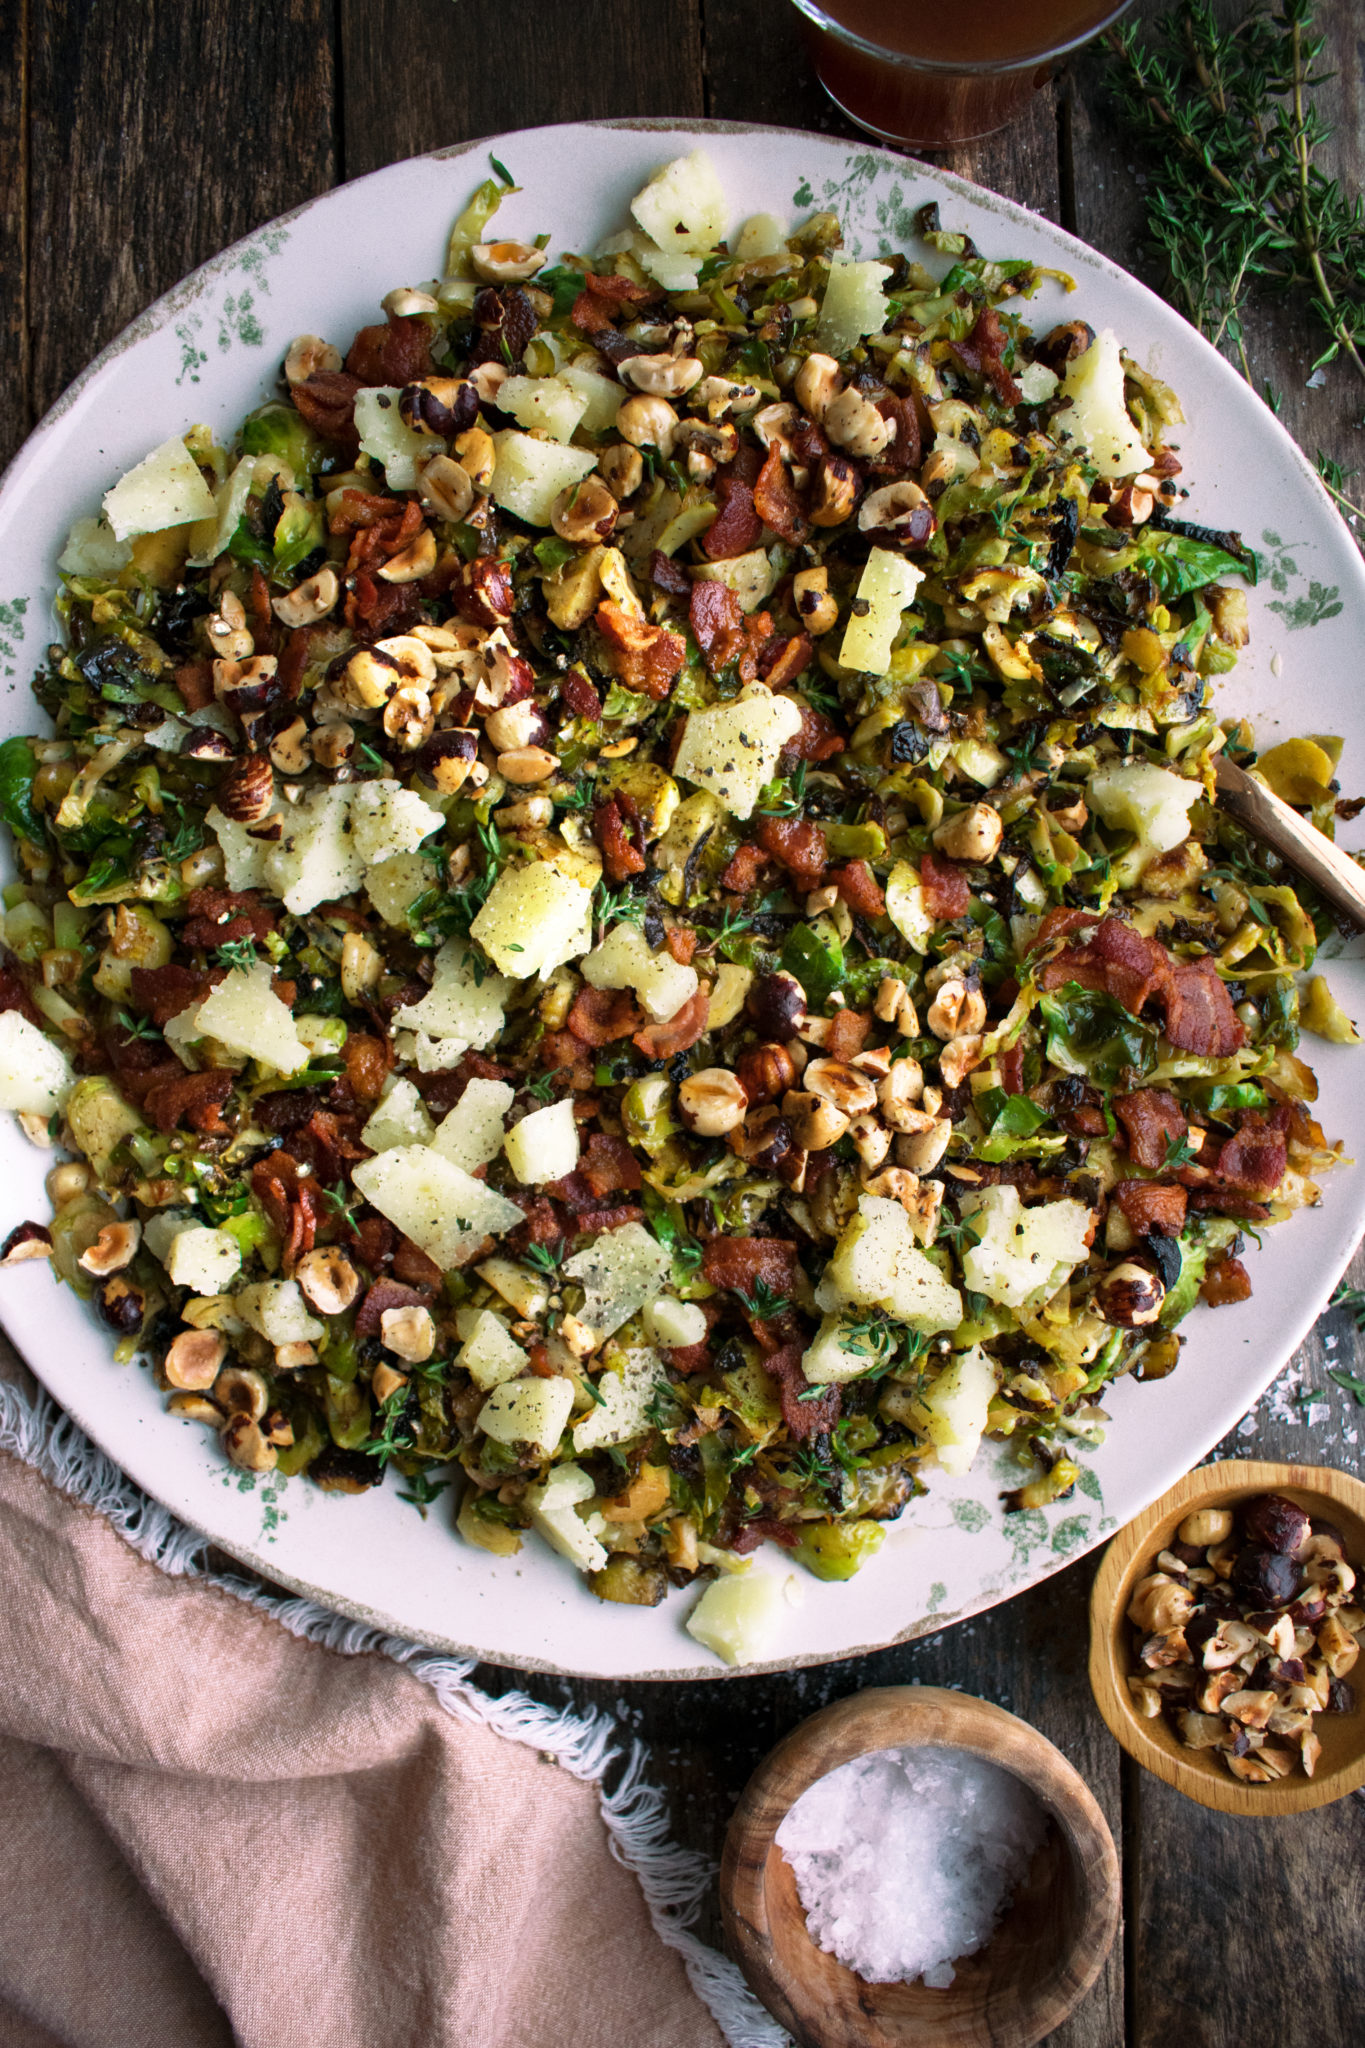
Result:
1225,1626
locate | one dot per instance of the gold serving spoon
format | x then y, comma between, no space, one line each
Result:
1336,877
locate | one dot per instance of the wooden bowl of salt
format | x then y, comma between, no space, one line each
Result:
1047,1948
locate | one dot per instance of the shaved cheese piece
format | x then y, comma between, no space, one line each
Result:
166,488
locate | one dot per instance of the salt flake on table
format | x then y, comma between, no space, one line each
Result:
903,1859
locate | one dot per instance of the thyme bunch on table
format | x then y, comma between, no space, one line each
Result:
1236,202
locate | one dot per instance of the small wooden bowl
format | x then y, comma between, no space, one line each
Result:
1052,1939
1337,1498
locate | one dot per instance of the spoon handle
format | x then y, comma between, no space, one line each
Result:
1267,817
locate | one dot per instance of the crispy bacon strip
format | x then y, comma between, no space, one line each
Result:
642,656
784,658
676,1033
947,891
739,1263
1151,1119
859,887
742,870
983,351
195,1097
796,845
1226,1281
617,832
803,1418
1152,1205
819,738
1133,969
776,502
601,1015
1254,1160
609,1166
1199,1013
736,527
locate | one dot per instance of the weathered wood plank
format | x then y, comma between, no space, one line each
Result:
14,395
157,136
419,74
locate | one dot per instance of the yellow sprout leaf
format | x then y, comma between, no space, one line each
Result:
1299,771
1322,1014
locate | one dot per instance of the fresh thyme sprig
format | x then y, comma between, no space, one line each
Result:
1236,203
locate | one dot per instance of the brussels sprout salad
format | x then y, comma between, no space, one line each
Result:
624,902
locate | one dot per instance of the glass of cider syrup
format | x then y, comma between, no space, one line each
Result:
936,72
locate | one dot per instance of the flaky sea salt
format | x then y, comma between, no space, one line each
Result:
904,1859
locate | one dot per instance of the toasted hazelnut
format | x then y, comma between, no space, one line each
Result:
818,382
408,717
333,744
716,396
774,426
647,423
32,1122
293,1357
712,1102
444,487
812,602
450,759
901,511
386,1382
505,262
816,1122
1130,1295
475,451
622,470
362,966
488,380
871,1140
247,791
776,1006
835,493
533,813
1200,1731
1205,1526
27,1241
523,724
112,1250
195,1358
439,407
1146,1698
765,1072
409,1333
195,1408
413,562
307,354
1160,1603
404,302
585,512
895,1006
922,1147
290,752
526,765
1230,1641
1252,1709
973,835
764,1139
1338,1646
898,1094
853,421
246,1446
66,1183
241,1390
660,376
310,600
841,1084
956,1011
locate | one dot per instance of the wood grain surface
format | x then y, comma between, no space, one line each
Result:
135,141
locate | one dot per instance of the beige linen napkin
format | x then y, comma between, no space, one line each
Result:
213,1831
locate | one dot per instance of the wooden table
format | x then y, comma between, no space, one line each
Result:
137,138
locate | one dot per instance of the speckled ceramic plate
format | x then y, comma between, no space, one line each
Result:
209,351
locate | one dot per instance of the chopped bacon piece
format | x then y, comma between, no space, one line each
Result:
859,887
642,656
163,992
902,451
804,1418
580,696
765,1528
601,1015
356,511
819,738
616,831
1199,1013
1152,1119
848,1031
736,527
194,1097
689,1358
739,1263
676,1033
219,917
564,1053
592,314
717,623
1059,924
14,996
983,351
609,1166
483,592
411,1264
776,502
383,1296
1117,960
681,942
742,870
573,1191
1152,1205
326,403
591,1222
1227,1280
376,611
666,574
947,891
303,1226
543,1225
784,658
194,680
1011,1062
397,352
1226,1202
1254,1160
622,291
796,845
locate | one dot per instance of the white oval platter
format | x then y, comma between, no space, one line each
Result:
210,350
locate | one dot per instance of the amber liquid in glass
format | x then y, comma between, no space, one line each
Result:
1002,46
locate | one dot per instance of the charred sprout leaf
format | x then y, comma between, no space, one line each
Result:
17,770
